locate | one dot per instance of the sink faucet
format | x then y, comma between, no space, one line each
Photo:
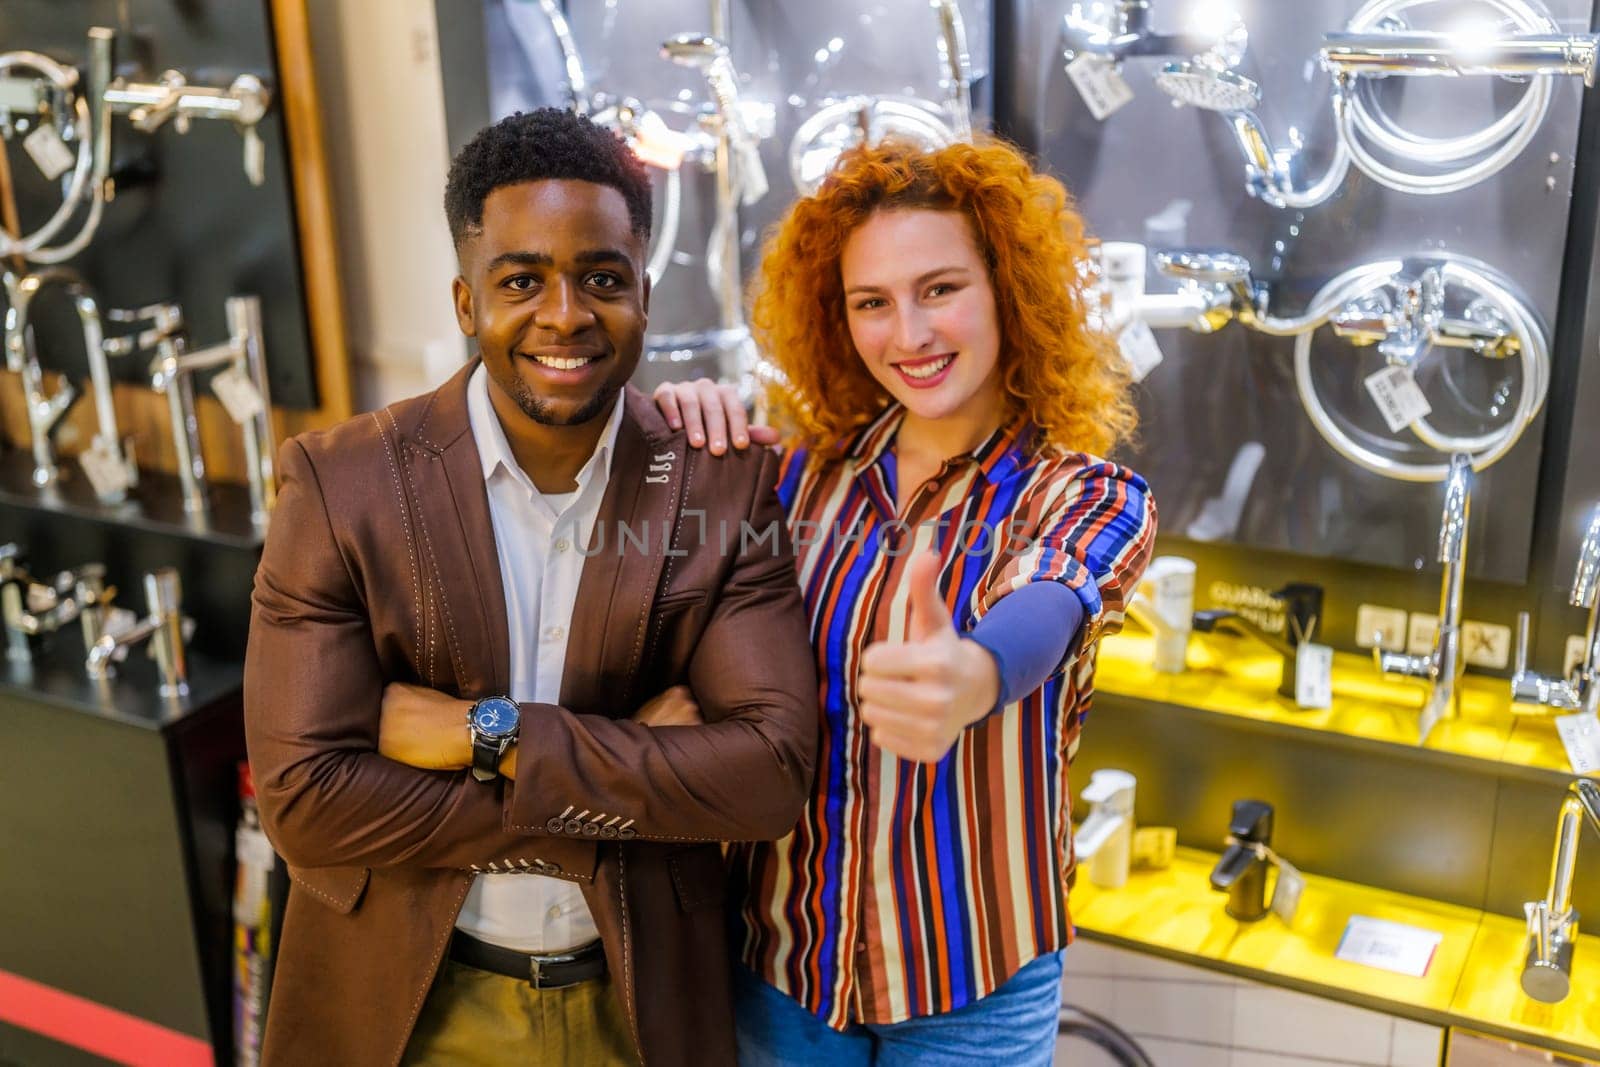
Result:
1302,609
1129,34
1242,869
1580,691
164,627
1552,922
1442,668
31,608
42,413
172,374
45,410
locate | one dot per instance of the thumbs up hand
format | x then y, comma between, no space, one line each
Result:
917,695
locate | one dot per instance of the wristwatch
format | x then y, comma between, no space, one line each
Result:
493,723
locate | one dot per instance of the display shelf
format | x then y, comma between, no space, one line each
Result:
1472,980
1231,677
154,506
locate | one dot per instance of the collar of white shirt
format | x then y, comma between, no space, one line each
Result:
495,451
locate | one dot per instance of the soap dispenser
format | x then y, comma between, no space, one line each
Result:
1242,870
1105,840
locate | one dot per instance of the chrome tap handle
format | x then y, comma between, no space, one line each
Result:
1521,661
164,595
152,116
1587,578
1402,664
1531,687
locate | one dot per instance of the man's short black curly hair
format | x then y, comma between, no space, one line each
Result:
535,146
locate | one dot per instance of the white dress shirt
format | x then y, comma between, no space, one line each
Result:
538,537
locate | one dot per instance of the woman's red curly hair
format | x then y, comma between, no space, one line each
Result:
1067,377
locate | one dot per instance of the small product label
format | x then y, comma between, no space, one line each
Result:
1101,87
1389,946
238,394
1486,644
1313,675
1382,627
1291,884
1421,633
1139,349
105,470
1399,400
1580,736
49,152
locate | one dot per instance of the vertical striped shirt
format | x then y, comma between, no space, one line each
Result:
909,889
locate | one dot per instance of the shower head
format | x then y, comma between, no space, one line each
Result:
1203,86
693,50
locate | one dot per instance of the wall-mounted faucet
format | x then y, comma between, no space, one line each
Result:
163,627
172,374
1553,922
1442,668
1406,318
1242,869
32,608
1579,691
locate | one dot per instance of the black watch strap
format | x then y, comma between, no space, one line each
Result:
486,753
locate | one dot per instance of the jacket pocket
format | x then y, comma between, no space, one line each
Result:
700,876
340,888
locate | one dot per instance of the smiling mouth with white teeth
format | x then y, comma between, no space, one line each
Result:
925,369
563,362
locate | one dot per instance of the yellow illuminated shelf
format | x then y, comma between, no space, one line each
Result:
1472,980
1234,677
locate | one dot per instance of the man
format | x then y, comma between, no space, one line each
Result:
531,530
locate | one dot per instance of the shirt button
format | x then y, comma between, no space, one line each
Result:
563,544
554,633
554,913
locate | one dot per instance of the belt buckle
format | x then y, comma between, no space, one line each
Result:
534,975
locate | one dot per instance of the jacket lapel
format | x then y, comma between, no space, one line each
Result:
618,587
457,540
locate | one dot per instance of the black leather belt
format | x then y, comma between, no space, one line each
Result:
541,970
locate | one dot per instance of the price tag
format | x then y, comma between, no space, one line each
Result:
49,152
252,849
106,471
1388,946
1313,675
238,394
1139,348
1101,87
1398,397
1291,884
1580,736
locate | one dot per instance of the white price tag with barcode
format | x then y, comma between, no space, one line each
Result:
1389,946
1139,349
1101,87
1313,675
238,394
105,470
1399,400
49,152
1580,736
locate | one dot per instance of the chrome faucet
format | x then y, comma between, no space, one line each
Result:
1442,668
164,628
31,608
13,577
1553,922
1129,34
1580,690
45,410
122,472
172,373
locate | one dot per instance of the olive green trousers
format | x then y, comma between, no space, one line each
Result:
478,1019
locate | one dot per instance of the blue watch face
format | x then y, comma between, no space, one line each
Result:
496,717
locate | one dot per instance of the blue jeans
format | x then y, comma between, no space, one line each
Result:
1015,1025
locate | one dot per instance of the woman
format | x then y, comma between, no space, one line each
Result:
960,550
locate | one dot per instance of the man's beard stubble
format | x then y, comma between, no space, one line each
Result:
538,409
